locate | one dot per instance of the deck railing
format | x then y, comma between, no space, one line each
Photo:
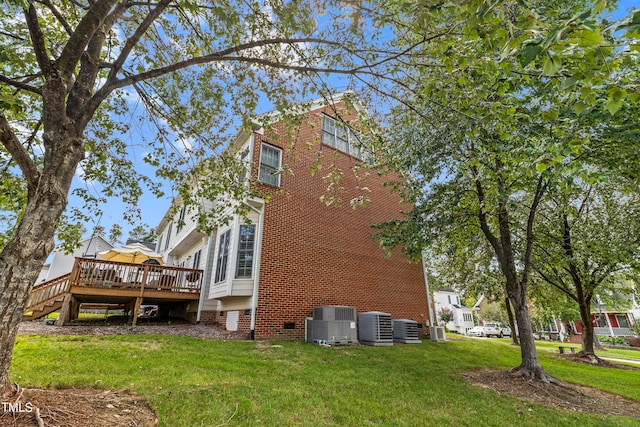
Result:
44,293
96,273
618,332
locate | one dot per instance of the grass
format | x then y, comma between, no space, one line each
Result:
552,347
194,382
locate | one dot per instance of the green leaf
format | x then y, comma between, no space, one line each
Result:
529,54
550,116
578,107
599,6
613,106
551,65
568,83
541,167
591,38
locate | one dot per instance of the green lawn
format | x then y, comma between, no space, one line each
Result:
195,382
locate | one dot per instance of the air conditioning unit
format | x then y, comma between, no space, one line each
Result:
437,334
332,325
334,312
405,331
375,328
331,332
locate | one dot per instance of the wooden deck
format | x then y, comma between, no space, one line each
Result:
106,282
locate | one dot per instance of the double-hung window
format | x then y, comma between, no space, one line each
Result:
223,257
169,231
196,259
270,163
341,137
246,244
181,215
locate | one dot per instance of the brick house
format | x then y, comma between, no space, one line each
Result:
297,253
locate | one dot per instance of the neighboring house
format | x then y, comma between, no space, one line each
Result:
265,276
62,263
449,299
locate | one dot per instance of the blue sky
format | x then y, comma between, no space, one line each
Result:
152,209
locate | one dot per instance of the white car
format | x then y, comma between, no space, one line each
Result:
476,331
490,329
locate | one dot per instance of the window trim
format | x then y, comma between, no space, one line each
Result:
240,250
180,224
277,174
222,258
351,149
169,230
196,259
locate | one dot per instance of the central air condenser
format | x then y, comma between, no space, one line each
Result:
375,328
405,331
332,325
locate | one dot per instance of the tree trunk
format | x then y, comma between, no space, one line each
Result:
530,366
21,262
512,323
23,257
588,336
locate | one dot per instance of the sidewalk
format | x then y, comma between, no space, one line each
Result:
619,360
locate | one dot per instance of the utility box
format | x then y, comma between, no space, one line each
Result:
437,334
375,328
332,325
405,331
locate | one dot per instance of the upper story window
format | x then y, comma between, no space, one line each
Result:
169,230
244,158
270,163
341,137
196,259
183,211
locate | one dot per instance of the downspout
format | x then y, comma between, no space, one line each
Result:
256,271
205,277
426,284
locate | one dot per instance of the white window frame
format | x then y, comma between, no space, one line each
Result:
222,258
334,133
169,230
181,215
245,250
268,176
196,259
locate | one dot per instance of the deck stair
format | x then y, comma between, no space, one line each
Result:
46,297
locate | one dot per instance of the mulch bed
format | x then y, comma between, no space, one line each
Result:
76,408
572,396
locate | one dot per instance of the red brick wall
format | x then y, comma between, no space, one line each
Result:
314,255
219,318
209,317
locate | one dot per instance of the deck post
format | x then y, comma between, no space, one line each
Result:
74,309
64,310
136,311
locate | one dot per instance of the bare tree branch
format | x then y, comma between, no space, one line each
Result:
135,39
20,85
75,46
20,155
541,188
38,40
58,15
